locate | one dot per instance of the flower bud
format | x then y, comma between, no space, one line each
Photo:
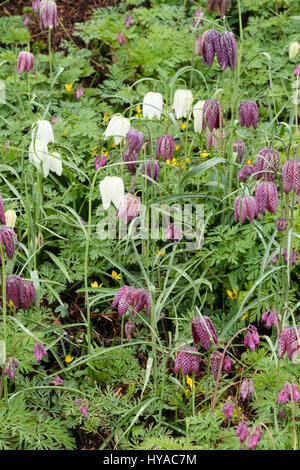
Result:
294,49
25,62
11,218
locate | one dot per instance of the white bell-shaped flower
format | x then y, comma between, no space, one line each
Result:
198,116
112,191
294,49
52,161
11,218
152,105
182,102
42,130
117,128
37,151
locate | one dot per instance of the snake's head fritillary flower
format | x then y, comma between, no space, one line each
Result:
248,113
242,431
227,50
203,330
151,168
7,238
281,224
254,439
112,191
228,409
152,105
227,364
143,301
247,388
210,45
48,14
2,211
42,131
293,256
215,138
240,148
215,361
165,147
117,128
288,392
266,197
252,338
187,360
39,351
11,367
25,62
267,163
246,171
130,207
198,115
212,115
288,343
182,103
244,207
291,176
28,294
135,140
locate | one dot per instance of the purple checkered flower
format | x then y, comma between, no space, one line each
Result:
270,318
165,147
227,50
288,343
212,114
187,359
254,439
127,297
247,388
266,197
293,256
281,224
220,5
144,300
244,207
135,140
39,351
20,292
242,430
288,392
203,330
248,113
267,164
48,14
25,62
36,5
130,208
173,233
227,363
2,211
151,169
100,161
210,45
7,237
228,409
240,148
213,139
215,361
246,171
252,338
291,176
11,367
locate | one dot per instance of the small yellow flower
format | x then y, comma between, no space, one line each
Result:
68,358
232,294
162,253
183,126
177,147
246,314
113,144
204,154
96,285
95,149
106,116
116,275
249,161
11,304
69,87
191,383
65,132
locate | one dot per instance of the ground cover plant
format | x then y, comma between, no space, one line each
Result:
149,237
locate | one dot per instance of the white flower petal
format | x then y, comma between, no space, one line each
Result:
152,105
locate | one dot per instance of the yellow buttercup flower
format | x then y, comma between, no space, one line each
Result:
162,253
68,358
115,275
232,294
183,126
246,314
11,304
249,161
204,154
139,110
191,383
106,116
177,147
65,132
113,144
96,285
69,87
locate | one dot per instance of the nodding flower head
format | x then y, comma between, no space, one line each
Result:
270,318
227,50
20,292
228,409
187,360
288,392
220,5
291,176
11,367
254,439
121,37
129,329
215,138
281,224
39,351
127,297
248,113
100,161
48,14
267,164
25,62
165,147
7,238
297,71
130,207
212,115
242,430
135,140
247,388
240,148
252,338
266,197
246,171
288,342
210,45
151,169
244,207
203,330
128,21
215,361
2,211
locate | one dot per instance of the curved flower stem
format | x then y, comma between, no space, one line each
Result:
293,419
269,433
102,422
220,368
